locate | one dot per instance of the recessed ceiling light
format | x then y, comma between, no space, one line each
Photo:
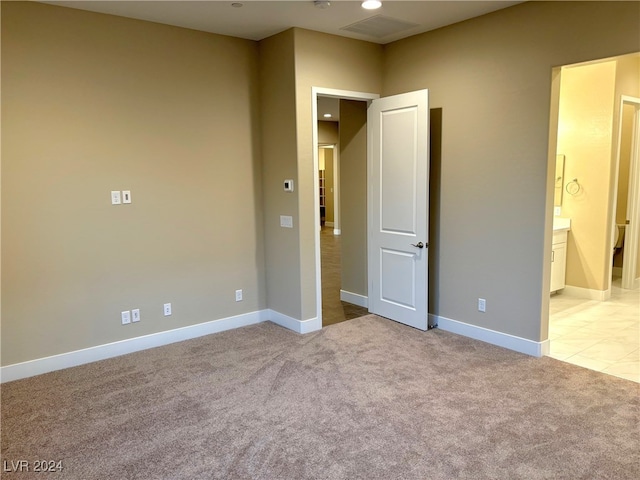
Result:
371,4
322,4
236,4
327,115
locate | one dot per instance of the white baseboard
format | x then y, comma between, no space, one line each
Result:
519,344
337,231
354,298
130,345
579,292
299,326
101,352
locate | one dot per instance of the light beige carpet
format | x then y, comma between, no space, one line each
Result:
364,399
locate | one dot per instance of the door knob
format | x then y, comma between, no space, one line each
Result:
419,245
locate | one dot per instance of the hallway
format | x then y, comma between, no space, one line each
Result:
334,310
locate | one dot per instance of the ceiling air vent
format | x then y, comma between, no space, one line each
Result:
379,26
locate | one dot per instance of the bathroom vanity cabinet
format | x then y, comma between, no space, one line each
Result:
558,260
559,254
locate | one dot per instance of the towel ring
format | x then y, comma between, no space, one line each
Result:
573,187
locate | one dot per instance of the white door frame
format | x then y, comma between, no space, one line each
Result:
315,93
632,232
336,189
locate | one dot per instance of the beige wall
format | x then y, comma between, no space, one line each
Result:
328,135
626,135
627,83
353,196
326,61
93,103
491,76
329,182
585,137
325,171
279,153
203,129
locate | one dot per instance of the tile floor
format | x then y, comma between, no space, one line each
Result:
602,336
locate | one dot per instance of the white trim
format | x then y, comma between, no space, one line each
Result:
299,326
354,298
518,344
336,186
130,345
337,231
341,94
39,366
316,201
326,92
588,293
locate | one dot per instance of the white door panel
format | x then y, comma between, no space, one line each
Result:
397,178
398,213
397,286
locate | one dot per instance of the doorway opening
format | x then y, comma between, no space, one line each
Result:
334,308
593,319
341,197
387,143
627,207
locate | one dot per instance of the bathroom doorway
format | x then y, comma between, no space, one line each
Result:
593,320
626,257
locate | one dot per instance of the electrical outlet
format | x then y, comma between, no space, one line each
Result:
167,309
135,315
238,295
482,305
126,317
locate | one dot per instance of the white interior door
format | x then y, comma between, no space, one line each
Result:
398,133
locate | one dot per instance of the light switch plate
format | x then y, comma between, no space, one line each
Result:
286,221
115,197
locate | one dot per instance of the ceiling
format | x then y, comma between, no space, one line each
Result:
329,106
258,19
